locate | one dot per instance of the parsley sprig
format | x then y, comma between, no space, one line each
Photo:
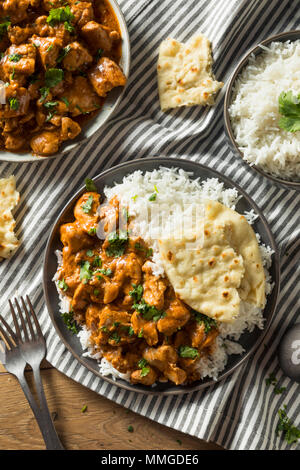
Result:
290,432
289,108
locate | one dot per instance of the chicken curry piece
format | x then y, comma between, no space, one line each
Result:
58,60
136,320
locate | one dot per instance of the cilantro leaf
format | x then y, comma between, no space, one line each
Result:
59,15
70,322
208,322
117,243
87,206
290,432
3,28
85,272
137,292
187,351
53,77
90,185
289,108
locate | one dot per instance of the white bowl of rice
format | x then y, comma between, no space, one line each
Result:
253,118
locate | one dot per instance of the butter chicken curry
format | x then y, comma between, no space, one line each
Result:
136,320
59,59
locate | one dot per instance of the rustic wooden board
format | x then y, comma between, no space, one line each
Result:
104,425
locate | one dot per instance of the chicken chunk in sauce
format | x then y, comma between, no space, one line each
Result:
135,319
58,60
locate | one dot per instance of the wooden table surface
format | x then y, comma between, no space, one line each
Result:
104,424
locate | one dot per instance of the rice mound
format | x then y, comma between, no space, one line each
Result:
175,192
254,110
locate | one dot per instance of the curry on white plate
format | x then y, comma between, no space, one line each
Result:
59,60
159,276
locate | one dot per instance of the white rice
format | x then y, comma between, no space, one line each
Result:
254,111
175,192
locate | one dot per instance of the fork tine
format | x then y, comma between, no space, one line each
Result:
10,331
38,328
22,320
28,318
18,331
6,337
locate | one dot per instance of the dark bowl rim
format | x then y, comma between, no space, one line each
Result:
227,100
17,158
179,390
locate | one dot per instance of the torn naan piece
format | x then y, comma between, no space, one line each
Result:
243,239
184,73
205,271
9,198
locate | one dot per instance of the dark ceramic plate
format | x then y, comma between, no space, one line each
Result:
249,341
281,37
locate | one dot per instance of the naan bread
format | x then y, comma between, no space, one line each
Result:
9,198
184,73
242,238
205,271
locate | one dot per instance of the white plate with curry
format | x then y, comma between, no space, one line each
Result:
64,71
143,312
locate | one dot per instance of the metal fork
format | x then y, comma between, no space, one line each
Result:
29,348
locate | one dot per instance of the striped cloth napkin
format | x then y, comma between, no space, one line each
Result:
240,412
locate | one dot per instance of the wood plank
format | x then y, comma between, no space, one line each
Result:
104,425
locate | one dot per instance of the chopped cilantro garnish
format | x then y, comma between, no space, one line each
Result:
105,272
65,101
187,351
141,332
70,322
96,292
69,27
117,243
130,331
208,322
59,15
148,251
149,312
130,428
92,231
3,28
89,253
53,77
85,272
271,380
15,57
63,285
44,91
50,104
83,409
142,364
115,337
90,185
152,197
87,206
290,432
137,292
97,262
65,51
289,108
14,103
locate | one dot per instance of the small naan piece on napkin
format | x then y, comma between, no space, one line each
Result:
205,271
9,198
185,75
243,239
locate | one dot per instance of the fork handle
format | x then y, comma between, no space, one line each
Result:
43,419
51,438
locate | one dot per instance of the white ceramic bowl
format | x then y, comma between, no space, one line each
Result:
110,105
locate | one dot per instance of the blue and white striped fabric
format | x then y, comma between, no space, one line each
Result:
241,411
